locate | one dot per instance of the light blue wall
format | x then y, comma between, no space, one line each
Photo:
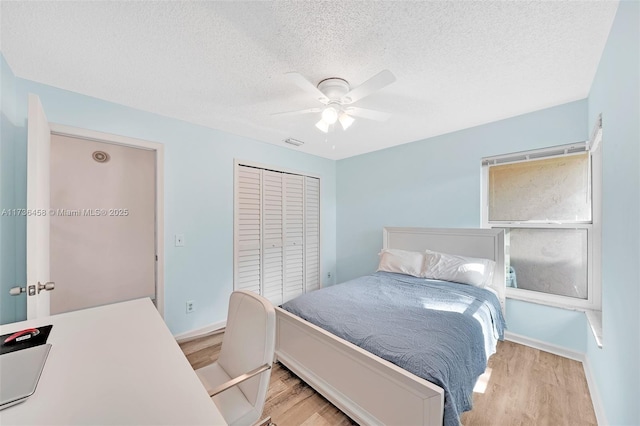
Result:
433,182
198,194
436,183
615,93
7,194
559,327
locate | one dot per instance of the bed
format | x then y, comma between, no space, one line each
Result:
369,388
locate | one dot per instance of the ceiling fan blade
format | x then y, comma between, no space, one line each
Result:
298,112
307,86
377,82
369,114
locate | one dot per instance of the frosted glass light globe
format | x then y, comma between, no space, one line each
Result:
330,115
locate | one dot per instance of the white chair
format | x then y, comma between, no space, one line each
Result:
238,381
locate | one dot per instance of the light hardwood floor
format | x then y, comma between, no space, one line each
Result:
524,386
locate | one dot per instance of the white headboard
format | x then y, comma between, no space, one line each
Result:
483,243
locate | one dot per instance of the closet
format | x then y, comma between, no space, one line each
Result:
276,233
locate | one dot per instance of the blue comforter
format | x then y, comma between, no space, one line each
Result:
441,331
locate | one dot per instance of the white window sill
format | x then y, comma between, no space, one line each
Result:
568,303
595,323
594,317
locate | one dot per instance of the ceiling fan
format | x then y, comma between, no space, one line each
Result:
337,98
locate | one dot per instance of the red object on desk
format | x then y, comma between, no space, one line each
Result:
22,335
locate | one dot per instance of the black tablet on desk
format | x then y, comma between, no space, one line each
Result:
19,374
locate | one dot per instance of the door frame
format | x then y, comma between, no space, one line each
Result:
76,132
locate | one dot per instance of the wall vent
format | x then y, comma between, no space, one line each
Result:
294,142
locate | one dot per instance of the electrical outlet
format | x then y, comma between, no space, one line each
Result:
329,275
179,240
191,306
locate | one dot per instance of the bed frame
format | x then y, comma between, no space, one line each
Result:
369,389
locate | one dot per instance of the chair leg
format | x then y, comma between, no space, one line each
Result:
265,422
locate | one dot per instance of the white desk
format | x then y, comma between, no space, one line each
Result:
115,364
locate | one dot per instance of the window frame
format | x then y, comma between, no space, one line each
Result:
593,227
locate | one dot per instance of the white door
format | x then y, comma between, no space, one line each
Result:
311,234
272,236
276,233
293,187
39,209
248,221
38,204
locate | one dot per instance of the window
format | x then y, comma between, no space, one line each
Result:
548,203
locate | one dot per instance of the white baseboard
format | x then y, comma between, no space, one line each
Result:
598,408
544,346
200,331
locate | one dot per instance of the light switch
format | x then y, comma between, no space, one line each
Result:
179,240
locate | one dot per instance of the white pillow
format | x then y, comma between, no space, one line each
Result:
460,269
401,261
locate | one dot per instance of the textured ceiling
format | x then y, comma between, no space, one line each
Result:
222,64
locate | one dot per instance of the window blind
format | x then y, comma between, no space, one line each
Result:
549,189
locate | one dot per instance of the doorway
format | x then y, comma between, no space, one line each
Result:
106,219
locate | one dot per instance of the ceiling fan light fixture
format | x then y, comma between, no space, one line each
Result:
322,125
346,120
330,115
338,98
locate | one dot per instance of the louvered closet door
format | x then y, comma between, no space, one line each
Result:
293,236
312,233
248,241
272,229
